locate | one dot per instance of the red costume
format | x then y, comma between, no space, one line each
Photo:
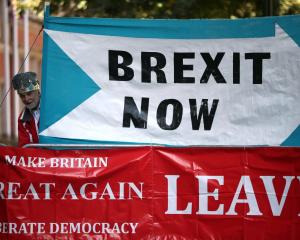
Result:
27,129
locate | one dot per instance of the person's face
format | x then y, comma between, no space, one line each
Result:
30,99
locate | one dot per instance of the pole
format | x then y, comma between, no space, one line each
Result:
6,108
16,69
26,39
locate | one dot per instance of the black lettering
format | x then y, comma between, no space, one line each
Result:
179,67
114,66
147,68
257,65
132,113
236,68
162,114
212,68
207,116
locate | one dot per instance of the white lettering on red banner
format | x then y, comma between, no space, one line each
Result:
150,193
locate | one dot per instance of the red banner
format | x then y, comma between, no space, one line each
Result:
150,193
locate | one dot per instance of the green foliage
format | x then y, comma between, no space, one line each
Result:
167,9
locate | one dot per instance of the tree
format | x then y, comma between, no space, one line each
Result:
166,9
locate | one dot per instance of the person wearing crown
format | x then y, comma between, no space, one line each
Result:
28,88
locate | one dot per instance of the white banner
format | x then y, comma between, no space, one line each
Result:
172,91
